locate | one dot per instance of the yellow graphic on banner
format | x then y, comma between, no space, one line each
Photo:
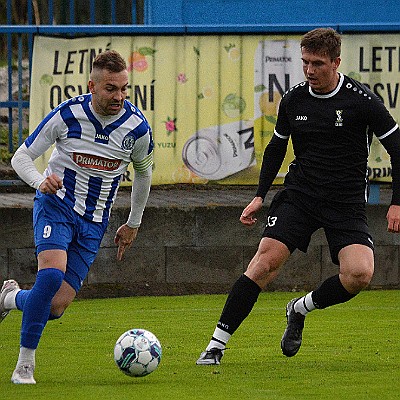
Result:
211,100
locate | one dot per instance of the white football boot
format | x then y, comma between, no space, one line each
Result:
23,374
8,287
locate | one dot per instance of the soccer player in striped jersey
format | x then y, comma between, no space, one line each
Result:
96,136
330,118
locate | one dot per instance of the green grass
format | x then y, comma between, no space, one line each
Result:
351,351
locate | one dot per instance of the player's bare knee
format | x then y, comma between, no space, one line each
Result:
364,278
358,280
263,268
265,262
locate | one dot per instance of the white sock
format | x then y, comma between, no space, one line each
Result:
305,304
9,300
219,339
26,356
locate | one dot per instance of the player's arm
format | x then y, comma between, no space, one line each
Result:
42,138
274,155
24,166
391,142
275,151
127,233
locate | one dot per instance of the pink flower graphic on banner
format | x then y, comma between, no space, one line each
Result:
137,60
170,125
181,78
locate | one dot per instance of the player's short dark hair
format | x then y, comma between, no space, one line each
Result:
110,60
324,41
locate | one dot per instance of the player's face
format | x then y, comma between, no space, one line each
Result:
320,71
109,90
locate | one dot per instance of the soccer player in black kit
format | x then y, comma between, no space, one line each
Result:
331,119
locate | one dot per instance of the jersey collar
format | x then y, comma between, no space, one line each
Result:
330,94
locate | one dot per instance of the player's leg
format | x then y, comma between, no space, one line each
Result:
53,231
262,269
77,262
329,293
287,228
356,267
81,254
36,310
12,297
353,251
62,299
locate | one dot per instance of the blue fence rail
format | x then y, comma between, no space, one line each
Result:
19,43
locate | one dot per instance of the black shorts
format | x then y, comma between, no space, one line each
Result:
294,216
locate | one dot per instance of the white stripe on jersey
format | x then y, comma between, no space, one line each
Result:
92,152
285,137
388,133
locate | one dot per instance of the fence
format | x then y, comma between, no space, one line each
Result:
17,40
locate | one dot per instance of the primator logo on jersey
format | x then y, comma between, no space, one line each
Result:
95,162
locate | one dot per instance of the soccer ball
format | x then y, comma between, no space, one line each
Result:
137,352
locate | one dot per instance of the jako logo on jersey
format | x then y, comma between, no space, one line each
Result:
301,117
101,138
96,162
339,119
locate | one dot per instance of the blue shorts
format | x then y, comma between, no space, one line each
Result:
57,226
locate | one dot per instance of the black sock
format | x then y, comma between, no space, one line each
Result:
331,292
239,303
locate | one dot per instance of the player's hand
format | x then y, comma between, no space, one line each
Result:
124,238
393,218
51,184
248,215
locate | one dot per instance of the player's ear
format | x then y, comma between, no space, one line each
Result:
91,87
336,62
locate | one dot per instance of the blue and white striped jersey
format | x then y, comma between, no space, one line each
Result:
92,152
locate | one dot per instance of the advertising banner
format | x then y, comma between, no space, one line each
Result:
211,100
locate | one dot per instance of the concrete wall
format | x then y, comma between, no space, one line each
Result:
185,249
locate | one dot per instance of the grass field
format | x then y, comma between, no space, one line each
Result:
351,351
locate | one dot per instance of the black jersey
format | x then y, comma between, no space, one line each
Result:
331,135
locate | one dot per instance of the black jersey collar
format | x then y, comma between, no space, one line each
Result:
330,94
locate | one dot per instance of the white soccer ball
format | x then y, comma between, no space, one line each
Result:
137,352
